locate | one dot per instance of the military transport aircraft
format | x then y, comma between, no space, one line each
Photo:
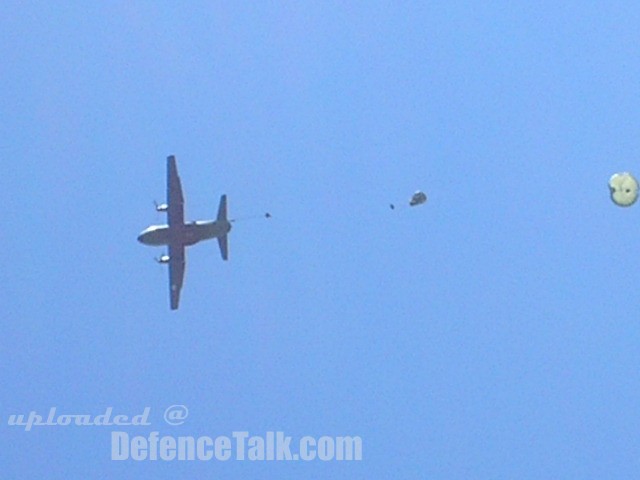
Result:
177,234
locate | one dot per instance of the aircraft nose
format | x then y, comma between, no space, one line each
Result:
141,238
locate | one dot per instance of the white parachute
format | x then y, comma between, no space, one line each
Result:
624,189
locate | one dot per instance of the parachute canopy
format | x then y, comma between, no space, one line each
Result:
624,189
418,198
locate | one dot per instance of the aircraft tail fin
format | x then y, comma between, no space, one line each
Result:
222,209
223,242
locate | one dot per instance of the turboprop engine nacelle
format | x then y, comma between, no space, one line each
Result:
161,207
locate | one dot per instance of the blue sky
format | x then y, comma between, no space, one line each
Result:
491,333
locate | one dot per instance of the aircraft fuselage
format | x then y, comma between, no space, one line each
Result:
187,234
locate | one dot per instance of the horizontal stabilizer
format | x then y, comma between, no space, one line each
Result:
224,247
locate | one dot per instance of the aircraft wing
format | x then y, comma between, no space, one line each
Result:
175,200
176,273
